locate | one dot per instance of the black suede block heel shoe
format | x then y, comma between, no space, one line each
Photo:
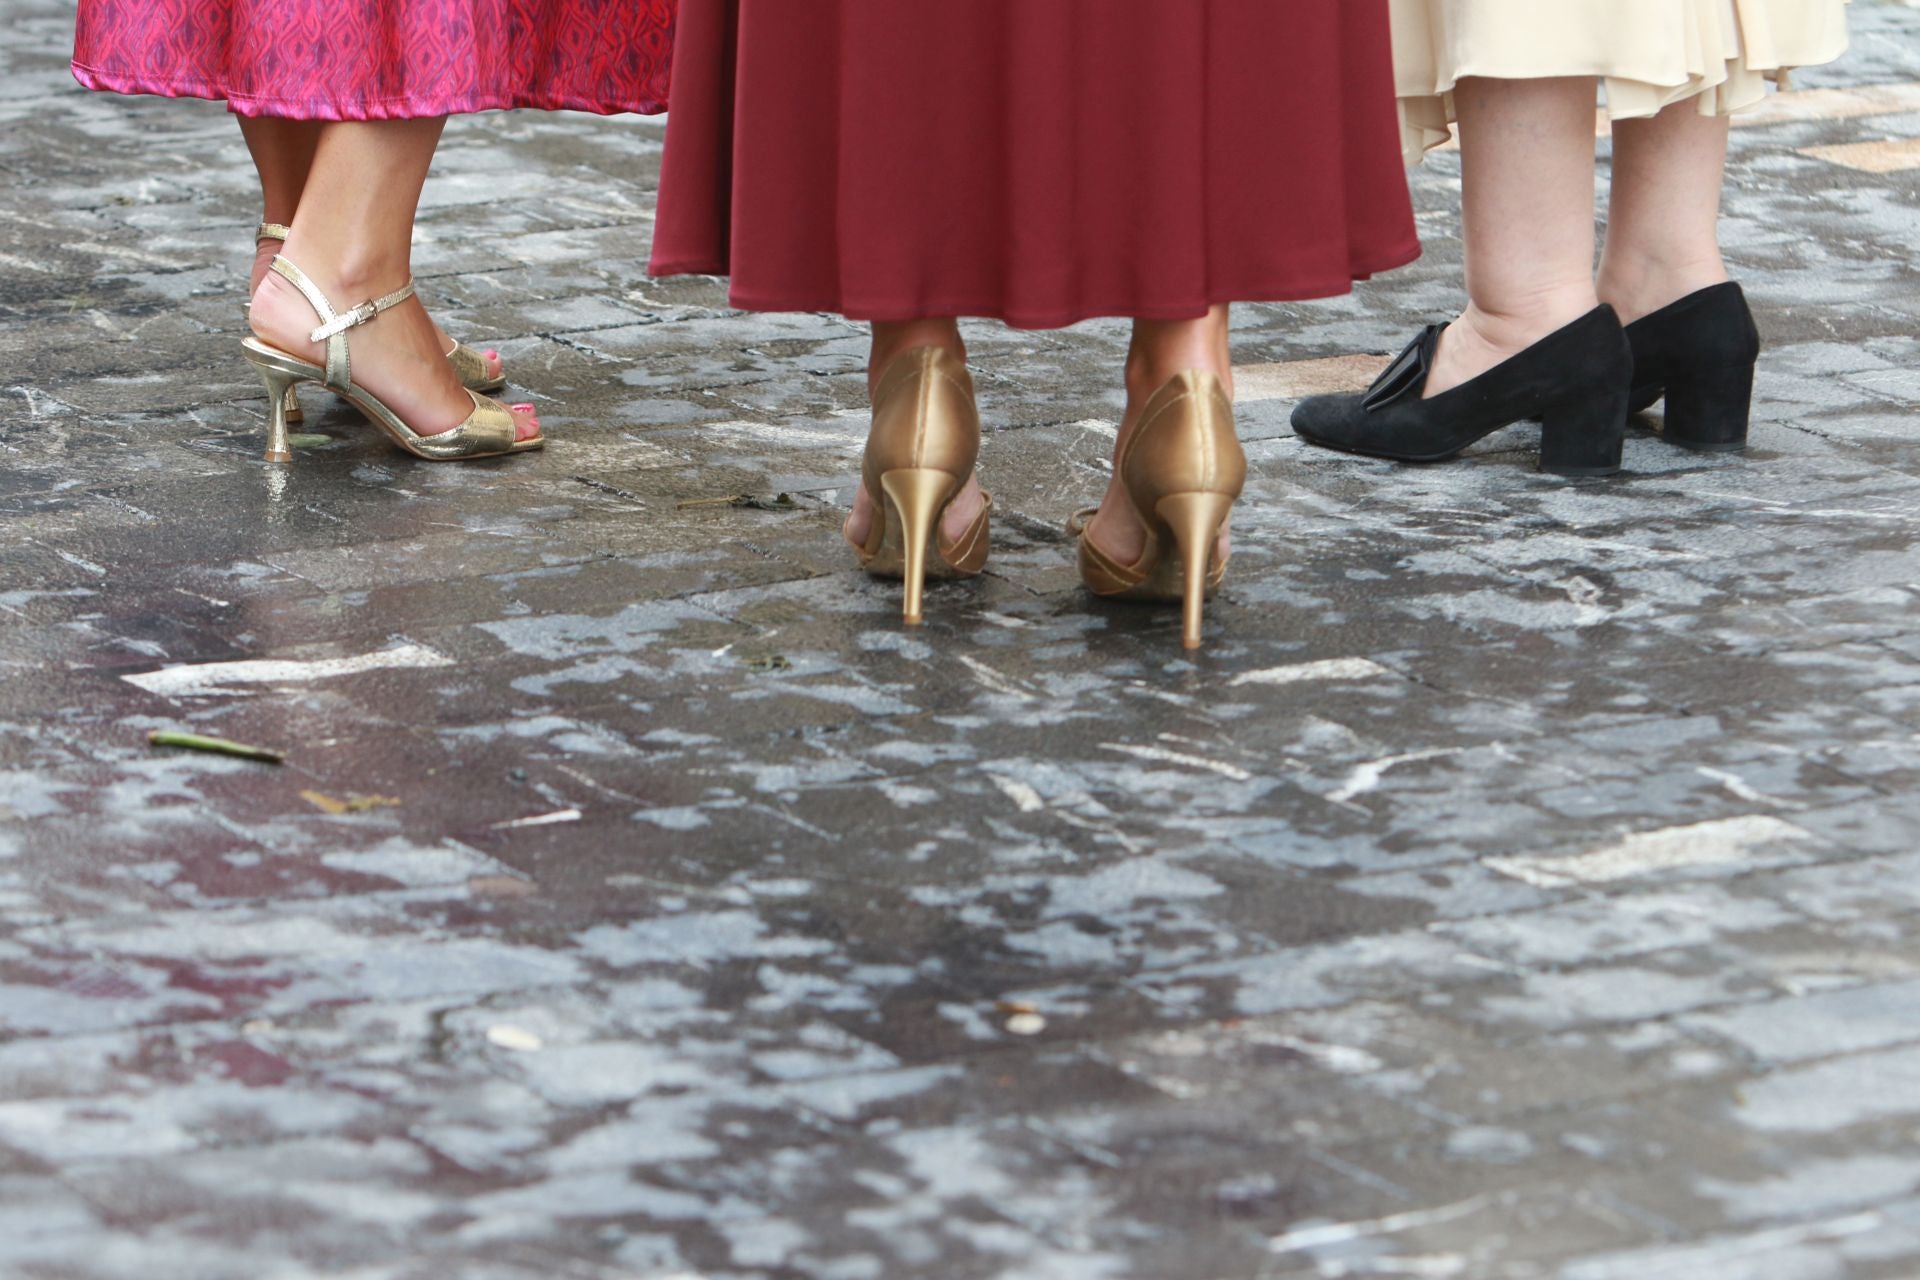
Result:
1574,381
1699,355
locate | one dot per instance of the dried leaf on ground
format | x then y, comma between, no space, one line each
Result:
217,746
352,804
501,887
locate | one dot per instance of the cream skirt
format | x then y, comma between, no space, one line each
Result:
1651,53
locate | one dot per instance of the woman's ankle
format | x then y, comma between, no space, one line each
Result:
1517,326
349,273
1162,350
891,339
1639,290
264,252
1483,338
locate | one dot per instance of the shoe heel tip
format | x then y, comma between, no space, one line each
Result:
1582,473
275,456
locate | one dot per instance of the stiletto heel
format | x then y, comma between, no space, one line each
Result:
487,432
1586,437
917,498
1708,411
1194,520
1181,469
277,231
921,451
1699,353
469,366
280,396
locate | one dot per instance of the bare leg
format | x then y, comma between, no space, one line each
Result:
353,235
1527,169
1663,239
891,339
282,153
1161,349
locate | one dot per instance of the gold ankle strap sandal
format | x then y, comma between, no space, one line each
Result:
471,367
489,431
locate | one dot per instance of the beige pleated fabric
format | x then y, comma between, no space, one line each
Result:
1650,53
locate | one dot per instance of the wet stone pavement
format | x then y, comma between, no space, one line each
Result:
1522,884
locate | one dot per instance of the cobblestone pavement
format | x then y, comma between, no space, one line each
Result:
1522,885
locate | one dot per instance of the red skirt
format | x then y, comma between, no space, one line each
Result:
1039,161
381,59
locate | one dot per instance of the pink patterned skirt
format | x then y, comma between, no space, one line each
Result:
381,59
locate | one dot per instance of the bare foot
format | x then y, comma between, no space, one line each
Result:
398,356
263,255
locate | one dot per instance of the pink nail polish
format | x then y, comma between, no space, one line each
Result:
493,355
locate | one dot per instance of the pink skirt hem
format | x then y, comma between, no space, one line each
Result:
360,108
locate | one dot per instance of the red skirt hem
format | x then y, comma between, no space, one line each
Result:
875,312
411,107
1040,164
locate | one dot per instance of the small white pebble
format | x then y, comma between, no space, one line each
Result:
1026,1024
514,1038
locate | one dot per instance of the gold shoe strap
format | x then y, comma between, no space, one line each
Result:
271,231
334,325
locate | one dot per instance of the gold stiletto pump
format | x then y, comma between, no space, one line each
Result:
468,365
488,431
920,454
1181,469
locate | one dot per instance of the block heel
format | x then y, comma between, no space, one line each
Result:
1709,411
1585,437
1699,353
